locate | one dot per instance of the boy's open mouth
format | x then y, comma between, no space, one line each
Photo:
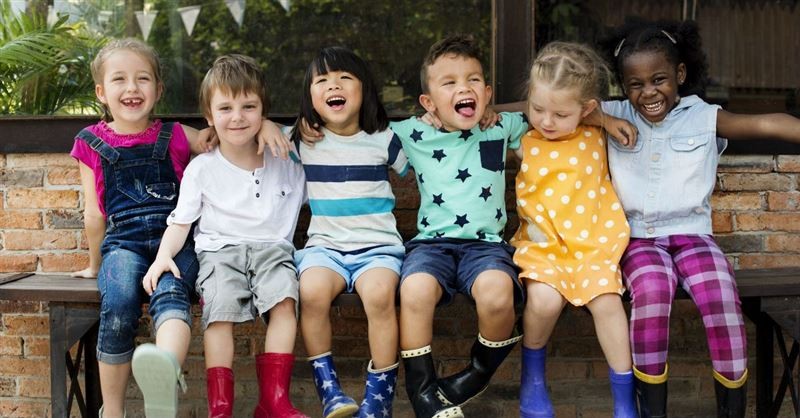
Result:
336,102
132,102
466,107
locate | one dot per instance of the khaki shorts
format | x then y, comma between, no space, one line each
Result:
237,283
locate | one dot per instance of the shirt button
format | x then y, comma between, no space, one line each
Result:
651,230
258,182
258,194
283,193
655,157
691,142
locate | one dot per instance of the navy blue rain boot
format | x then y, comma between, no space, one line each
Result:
534,402
624,394
379,392
335,404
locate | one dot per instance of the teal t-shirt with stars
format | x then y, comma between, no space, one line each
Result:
461,176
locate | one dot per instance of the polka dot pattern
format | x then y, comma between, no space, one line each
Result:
580,227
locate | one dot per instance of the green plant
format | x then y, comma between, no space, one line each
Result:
44,68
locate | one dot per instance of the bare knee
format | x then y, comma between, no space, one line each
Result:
494,294
379,299
419,293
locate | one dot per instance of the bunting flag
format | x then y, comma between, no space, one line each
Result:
286,4
145,19
189,16
103,16
51,16
237,10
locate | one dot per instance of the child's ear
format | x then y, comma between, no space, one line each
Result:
488,94
159,91
589,107
100,93
427,103
681,73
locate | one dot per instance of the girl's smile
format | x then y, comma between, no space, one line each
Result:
651,83
129,90
336,97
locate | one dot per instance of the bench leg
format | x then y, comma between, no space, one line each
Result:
58,367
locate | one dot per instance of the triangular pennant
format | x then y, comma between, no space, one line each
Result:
237,10
189,16
145,20
18,7
51,16
286,4
104,16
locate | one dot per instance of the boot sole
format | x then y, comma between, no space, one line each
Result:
155,372
454,412
343,412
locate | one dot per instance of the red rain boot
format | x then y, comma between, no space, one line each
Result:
219,384
274,372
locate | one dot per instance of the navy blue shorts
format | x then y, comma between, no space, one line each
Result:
456,263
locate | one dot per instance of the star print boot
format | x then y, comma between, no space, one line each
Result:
379,392
486,357
335,404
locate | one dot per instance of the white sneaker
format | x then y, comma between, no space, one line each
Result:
158,375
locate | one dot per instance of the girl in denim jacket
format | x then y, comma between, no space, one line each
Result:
665,183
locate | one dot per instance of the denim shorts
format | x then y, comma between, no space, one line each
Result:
456,263
126,257
351,265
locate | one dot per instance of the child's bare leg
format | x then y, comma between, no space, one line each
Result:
377,289
173,336
419,294
113,382
282,327
611,325
218,344
542,309
493,292
318,287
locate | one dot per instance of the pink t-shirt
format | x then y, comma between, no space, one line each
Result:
178,150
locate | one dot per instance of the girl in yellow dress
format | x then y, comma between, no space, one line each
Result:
572,228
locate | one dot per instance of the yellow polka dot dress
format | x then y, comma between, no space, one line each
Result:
572,228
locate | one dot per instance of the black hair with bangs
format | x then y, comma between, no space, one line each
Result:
372,116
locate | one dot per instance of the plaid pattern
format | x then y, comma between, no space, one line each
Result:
653,268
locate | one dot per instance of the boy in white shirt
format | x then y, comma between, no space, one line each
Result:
246,206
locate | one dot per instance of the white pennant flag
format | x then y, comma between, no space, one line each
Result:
104,16
286,4
189,17
145,19
237,10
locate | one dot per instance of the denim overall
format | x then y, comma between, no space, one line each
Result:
141,191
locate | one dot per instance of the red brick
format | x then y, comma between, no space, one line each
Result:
36,346
40,160
16,263
722,221
64,219
777,201
20,219
10,345
8,386
17,306
737,201
20,408
40,240
756,261
15,366
64,262
782,243
26,324
34,387
22,178
756,182
41,199
789,163
64,176
746,164
769,221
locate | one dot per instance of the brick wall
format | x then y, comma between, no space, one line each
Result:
757,218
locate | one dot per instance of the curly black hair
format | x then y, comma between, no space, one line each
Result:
680,42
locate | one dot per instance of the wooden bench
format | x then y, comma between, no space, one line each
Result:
770,298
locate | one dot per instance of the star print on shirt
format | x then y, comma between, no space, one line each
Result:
424,222
499,214
439,154
461,220
481,235
465,135
499,124
438,234
420,178
485,193
437,199
463,175
416,135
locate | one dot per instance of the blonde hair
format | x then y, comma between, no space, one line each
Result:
234,74
129,44
567,65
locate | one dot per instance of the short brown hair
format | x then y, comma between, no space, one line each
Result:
459,45
234,74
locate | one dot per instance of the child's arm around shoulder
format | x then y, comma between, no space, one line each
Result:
94,222
772,125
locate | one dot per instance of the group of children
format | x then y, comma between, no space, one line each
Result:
596,217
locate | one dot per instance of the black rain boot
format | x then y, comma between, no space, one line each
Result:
486,357
651,392
731,396
421,386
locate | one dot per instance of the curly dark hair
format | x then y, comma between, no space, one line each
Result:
680,42
460,45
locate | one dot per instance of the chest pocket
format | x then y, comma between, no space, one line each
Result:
492,154
690,150
140,180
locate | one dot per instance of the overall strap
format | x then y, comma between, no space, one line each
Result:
103,149
162,144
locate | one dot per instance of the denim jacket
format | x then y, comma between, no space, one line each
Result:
665,181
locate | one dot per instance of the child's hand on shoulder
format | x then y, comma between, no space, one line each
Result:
310,135
159,266
270,135
489,119
87,273
621,131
